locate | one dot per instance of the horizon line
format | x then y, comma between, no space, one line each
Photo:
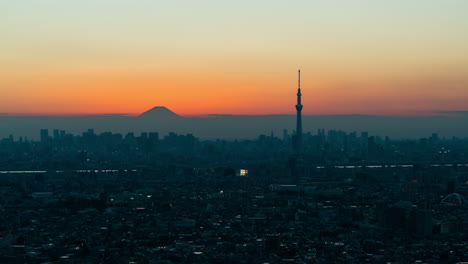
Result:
130,115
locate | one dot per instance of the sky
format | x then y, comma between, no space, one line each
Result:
376,57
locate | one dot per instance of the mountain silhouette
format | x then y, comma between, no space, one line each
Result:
159,112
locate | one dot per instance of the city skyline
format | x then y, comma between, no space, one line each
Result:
362,57
182,132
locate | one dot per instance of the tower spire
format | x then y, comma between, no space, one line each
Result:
299,79
298,141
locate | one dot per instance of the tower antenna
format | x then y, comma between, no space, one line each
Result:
299,79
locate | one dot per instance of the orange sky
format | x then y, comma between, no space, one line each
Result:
197,94
94,57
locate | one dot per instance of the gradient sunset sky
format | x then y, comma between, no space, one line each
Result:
376,57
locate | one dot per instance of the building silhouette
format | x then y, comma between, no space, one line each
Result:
295,163
298,135
44,135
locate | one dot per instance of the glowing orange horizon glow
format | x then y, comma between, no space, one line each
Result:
127,92
233,57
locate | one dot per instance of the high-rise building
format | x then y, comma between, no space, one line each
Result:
44,135
285,135
298,135
56,134
153,136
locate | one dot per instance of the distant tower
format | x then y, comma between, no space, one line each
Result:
298,136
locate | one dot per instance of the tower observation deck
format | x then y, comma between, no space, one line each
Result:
298,136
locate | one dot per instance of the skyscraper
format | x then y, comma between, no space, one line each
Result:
298,136
44,135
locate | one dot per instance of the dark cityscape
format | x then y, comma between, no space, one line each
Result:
234,132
